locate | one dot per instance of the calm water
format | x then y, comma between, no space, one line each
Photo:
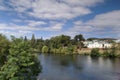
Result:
77,67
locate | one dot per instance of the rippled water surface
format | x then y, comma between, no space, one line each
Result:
77,67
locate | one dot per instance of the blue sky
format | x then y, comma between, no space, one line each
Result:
48,18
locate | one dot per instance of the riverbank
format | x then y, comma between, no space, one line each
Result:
102,52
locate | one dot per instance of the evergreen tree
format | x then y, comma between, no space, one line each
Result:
25,39
33,41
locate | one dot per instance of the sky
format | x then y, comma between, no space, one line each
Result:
48,18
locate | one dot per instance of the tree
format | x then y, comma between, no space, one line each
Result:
33,41
45,49
25,39
4,46
79,38
21,63
60,41
40,44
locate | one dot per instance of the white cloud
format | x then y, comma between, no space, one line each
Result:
20,5
15,33
52,9
36,23
57,26
3,8
102,24
106,19
107,22
83,2
31,27
78,23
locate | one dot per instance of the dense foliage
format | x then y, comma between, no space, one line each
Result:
4,46
95,52
21,63
60,44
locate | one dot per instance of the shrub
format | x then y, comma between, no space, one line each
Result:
95,52
45,49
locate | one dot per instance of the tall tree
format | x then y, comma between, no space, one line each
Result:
25,39
79,37
33,41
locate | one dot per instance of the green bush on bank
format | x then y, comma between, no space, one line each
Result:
110,52
45,49
95,52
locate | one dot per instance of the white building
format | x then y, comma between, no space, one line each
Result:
117,41
97,44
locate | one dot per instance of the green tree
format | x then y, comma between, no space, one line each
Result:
79,38
39,44
45,49
4,46
60,41
33,41
22,64
95,52
25,39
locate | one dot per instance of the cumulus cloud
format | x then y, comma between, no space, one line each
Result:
102,24
22,30
52,9
30,27
35,23
106,19
15,33
85,3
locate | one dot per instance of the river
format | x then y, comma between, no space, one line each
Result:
77,67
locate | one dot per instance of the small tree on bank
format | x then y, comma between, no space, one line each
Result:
45,49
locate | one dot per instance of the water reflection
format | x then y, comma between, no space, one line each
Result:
76,67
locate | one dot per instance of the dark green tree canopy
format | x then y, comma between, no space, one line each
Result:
79,37
4,46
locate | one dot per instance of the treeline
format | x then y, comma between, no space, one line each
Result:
17,60
58,44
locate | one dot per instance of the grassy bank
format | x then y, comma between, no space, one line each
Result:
101,52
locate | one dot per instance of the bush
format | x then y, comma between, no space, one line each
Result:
45,49
95,52
22,64
110,53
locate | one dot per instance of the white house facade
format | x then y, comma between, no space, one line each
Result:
117,41
97,44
